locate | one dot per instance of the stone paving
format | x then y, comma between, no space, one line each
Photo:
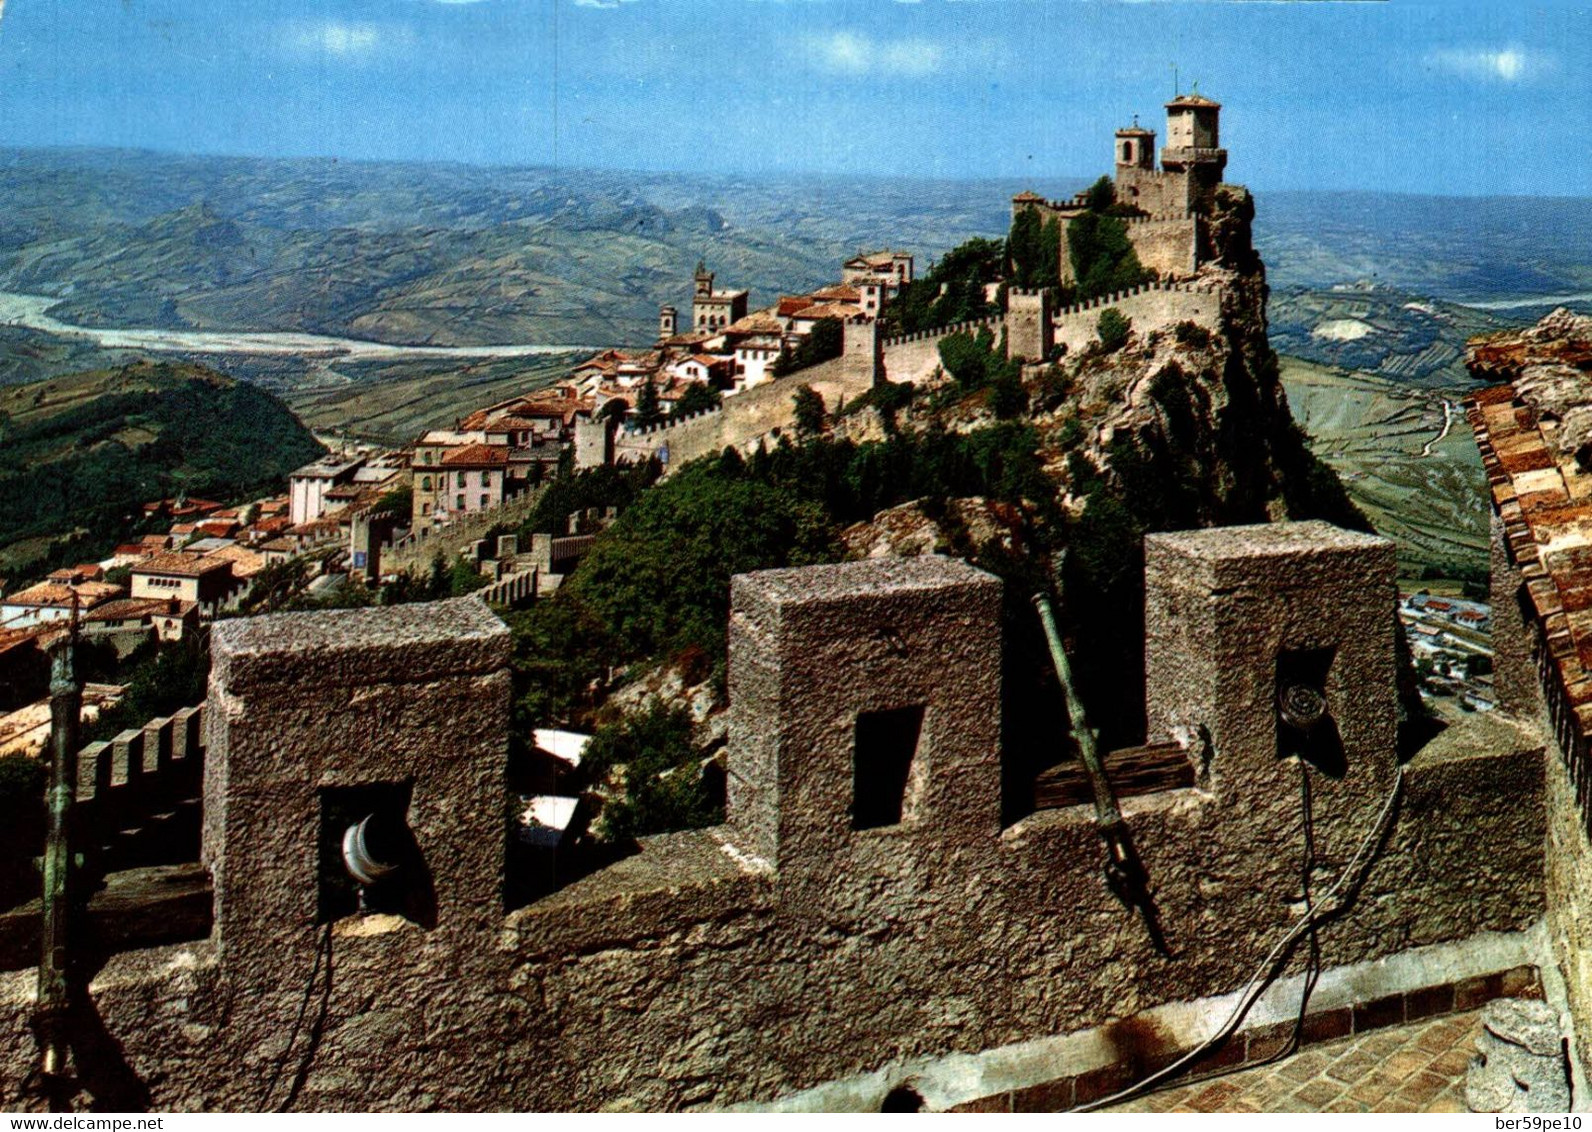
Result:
1417,1067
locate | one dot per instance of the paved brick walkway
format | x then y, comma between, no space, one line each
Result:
1418,1067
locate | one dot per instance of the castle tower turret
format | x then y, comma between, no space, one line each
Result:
704,280
1135,148
668,321
1193,145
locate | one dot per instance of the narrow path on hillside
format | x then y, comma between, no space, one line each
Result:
1448,423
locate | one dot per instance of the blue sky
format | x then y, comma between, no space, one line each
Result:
1450,98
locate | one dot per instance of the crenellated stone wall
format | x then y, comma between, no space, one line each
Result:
861,915
1149,307
764,412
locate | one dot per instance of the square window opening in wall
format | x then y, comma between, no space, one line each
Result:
1306,728
885,767
369,861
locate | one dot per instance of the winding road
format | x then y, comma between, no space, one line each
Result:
1448,423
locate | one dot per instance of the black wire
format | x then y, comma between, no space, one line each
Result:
1313,962
1312,973
317,1030
323,946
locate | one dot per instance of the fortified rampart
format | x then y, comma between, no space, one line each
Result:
1167,243
862,923
416,550
1034,329
764,412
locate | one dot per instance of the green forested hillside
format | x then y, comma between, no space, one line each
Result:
83,451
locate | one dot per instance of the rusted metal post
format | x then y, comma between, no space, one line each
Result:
1124,871
66,702
1107,815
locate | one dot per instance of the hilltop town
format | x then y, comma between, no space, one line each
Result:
763,664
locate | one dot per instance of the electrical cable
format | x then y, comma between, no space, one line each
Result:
1312,973
323,947
1332,904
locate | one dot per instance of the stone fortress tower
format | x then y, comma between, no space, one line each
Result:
1193,159
1171,202
1191,164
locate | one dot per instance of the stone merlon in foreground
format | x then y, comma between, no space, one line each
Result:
861,925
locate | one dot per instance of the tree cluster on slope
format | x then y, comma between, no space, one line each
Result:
824,341
951,291
87,468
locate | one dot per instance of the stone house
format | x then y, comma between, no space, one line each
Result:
205,581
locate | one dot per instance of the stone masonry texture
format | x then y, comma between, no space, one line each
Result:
784,949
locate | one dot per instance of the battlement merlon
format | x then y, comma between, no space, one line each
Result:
881,671
1233,614
310,709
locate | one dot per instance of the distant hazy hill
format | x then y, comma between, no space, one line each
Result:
432,253
1394,334
450,254
83,451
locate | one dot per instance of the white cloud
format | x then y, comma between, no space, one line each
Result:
848,53
596,3
1505,64
346,40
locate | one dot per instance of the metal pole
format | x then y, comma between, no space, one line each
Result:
1107,815
1125,874
66,701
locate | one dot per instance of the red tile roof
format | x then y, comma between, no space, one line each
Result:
841,311
180,566
476,456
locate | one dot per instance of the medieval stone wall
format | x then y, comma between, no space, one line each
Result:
1152,190
788,947
1149,307
762,413
418,549
1168,247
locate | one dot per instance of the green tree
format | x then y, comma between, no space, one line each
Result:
953,290
699,397
465,578
1113,328
824,341
1100,196
173,677
810,413
1103,259
659,578
649,411
663,783
1007,398
399,501
1033,250
1023,247
965,360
